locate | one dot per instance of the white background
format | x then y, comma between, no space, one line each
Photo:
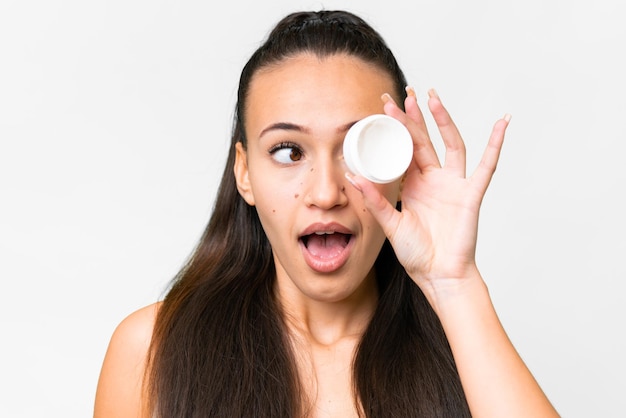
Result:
114,121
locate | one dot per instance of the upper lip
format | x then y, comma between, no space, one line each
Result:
327,228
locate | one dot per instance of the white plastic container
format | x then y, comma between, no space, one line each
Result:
379,148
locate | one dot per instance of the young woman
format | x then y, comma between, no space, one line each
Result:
313,292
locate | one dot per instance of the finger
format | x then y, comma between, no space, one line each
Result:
424,153
413,110
489,161
376,203
455,158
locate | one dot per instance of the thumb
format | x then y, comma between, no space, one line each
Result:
377,204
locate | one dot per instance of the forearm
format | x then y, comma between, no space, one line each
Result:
496,381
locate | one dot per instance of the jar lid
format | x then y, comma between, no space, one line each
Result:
379,148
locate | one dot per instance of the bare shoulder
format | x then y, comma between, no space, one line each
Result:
119,392
135,331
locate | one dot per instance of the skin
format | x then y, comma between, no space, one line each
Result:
119,392
294,189
328,310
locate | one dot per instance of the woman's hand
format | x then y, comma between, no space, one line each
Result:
434,236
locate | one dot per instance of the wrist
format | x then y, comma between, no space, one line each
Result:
445,293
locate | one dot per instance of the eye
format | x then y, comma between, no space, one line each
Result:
286,153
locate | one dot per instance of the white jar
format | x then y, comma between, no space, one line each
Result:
378,148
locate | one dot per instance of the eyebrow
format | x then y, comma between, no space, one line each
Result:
283,126
288,126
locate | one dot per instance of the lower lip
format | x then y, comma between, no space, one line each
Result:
327,265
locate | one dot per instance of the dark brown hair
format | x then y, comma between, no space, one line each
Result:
220,346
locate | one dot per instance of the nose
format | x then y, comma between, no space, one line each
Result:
326,185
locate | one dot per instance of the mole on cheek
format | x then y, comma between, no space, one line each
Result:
296,195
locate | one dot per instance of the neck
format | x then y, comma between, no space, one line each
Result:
326,322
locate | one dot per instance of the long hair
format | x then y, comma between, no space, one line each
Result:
220,346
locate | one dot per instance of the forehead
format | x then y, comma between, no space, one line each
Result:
305,87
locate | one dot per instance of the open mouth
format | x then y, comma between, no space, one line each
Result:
326,245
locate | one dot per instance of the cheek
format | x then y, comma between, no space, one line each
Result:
277,208
276,196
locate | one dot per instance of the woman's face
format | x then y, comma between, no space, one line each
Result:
324,241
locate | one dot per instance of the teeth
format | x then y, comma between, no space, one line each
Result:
324,232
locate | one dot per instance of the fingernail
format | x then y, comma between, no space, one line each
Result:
507,117
433,94
410,91
351,180
386,98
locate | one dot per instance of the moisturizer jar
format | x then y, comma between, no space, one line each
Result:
378,148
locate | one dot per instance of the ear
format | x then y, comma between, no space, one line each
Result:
241,174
